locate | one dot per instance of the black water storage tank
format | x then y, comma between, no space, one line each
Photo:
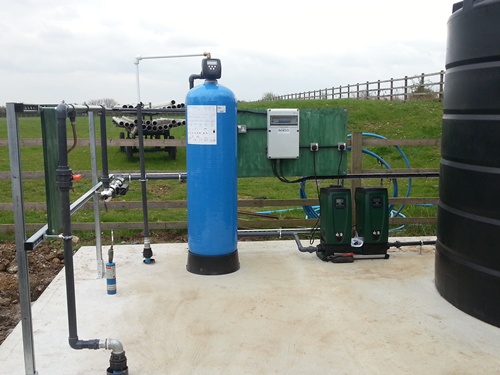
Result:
468,229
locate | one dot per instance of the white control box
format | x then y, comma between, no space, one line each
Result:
283,133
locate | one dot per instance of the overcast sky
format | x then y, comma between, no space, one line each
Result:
82,50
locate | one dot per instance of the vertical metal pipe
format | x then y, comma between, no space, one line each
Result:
20,234
104,150
147,252
136,62
97,215
64,183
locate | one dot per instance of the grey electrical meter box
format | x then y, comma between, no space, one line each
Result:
282,133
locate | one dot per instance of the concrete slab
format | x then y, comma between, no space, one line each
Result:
283,312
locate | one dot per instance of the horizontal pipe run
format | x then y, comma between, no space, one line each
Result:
272,232
173,176
399,244
77,344
140,57
82,109
150,111
379,175
181,176
280,233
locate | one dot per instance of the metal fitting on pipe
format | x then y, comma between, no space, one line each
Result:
111,344
118,360
133,132
116,187
147,253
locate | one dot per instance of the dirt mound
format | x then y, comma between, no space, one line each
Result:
44,264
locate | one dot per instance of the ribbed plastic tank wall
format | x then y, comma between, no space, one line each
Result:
467,270
211,161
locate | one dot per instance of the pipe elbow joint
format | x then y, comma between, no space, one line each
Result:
192,77
61,110
114,345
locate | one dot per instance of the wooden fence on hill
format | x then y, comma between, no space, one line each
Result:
422,86
357,143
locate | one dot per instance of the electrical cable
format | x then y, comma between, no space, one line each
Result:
338,169
75,137
280,176
315,228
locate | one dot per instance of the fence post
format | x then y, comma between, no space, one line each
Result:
357,90
367,90
348,91
421,86
378,89
441,85
406,89
392,89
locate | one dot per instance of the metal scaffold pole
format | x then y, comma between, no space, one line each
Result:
20,235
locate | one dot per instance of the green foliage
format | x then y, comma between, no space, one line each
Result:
106,102
268,96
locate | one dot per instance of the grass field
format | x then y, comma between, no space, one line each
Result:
398,120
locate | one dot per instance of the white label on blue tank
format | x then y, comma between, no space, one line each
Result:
202,124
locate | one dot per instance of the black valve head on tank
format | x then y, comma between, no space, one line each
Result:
211,69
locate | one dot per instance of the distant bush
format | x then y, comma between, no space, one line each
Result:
422,91
107,102
268,96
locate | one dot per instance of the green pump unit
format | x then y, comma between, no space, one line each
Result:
372,219
335,220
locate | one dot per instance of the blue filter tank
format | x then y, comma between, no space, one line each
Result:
212,190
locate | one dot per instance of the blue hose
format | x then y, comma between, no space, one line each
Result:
403,155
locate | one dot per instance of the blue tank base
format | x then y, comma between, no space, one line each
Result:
213,265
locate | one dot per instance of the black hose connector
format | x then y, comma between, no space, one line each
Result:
117,364
147,252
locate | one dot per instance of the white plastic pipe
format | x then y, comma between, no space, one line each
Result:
140,57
